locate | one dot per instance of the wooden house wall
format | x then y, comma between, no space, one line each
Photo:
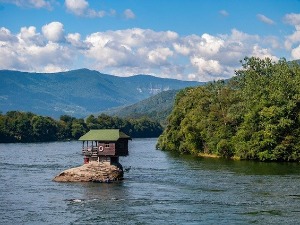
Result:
119,148
107,150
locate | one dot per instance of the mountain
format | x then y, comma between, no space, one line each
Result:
79,92
156,107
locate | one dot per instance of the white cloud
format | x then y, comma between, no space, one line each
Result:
224,13
30,3
134,48
129,14
265,19
78,7
260,52
30,36
293,38
272,41
165,52
54,31
132,51
30,51
240,36
296,52
6,36
206,66
181,48
159,56
8,56
51,68
82,8
28,33
75,41
292,41
40,4
51,53
292,19
209,44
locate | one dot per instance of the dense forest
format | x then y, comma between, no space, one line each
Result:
18,126
255,115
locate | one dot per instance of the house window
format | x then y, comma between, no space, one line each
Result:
106,145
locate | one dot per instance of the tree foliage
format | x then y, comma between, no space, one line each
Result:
255,115
142,127
18,126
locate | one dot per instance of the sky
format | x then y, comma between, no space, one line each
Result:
200,40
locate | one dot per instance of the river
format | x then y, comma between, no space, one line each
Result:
160,188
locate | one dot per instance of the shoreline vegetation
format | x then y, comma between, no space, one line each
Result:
26,127
215,156
253,116
206,155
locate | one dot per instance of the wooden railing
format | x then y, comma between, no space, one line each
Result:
94,151
91,150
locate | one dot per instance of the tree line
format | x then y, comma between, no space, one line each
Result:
254,115
16,126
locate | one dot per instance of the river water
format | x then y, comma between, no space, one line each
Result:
160,188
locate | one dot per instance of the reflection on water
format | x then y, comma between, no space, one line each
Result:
241,166
161,188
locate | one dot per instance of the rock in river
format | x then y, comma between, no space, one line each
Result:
92,172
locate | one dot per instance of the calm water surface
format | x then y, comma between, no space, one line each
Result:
160,188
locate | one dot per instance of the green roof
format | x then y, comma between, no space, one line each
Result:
103,135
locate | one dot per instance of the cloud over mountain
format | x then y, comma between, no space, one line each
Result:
131,51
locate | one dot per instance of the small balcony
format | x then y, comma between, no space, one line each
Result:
90,151
95,151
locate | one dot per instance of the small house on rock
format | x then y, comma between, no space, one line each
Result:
104,146
101,150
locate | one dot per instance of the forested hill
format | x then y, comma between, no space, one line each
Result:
157,108
77,93
256,115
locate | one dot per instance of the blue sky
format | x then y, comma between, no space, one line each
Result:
184,39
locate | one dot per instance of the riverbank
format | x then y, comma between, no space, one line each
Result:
207,155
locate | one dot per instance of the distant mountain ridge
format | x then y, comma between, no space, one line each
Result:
78,92
156,107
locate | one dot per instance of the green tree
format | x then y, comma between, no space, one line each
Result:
44,128
255,115
64,126
79,128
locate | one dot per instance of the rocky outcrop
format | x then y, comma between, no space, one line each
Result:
92,172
